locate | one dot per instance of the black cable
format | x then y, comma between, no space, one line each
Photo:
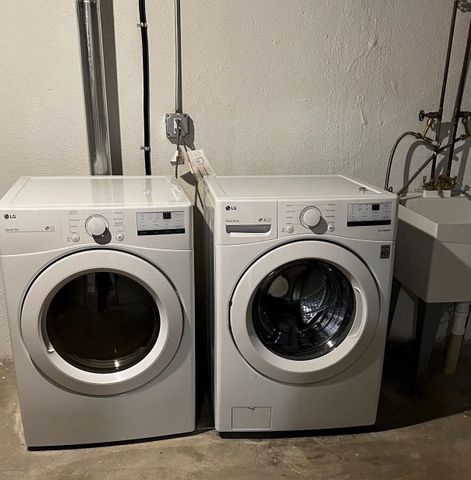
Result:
184,144
177,158
393,152
145,85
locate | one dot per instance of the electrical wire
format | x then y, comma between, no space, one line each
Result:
197,191
177,158
145,85
393,152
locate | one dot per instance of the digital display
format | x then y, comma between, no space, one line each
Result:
160,223
369,214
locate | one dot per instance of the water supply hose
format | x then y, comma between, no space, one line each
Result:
393,152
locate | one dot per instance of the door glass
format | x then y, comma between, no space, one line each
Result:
102,322
304,309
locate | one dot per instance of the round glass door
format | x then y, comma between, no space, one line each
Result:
304,311
102,322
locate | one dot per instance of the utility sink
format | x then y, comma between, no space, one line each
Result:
433,251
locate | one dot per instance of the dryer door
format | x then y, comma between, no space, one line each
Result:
101,322
304,312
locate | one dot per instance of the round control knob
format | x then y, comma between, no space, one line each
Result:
75,238
290,229
310,217
96,225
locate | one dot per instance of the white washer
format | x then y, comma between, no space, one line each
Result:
300,273
98,277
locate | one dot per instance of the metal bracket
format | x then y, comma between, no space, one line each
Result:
171,124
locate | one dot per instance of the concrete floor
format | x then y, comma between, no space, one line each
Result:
426,437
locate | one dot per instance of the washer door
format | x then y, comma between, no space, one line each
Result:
101,322
304,311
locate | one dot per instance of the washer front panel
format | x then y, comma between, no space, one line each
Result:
288,370
55,366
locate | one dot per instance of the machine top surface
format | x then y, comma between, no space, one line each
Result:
98,190
292,187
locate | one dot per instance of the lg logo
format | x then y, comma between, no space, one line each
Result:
231,207
7,216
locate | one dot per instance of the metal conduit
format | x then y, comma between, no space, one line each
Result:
94,85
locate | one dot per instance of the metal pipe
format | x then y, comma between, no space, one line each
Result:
459,99
94,85
416,174
446,70
111,80
424,165
438,131
178,60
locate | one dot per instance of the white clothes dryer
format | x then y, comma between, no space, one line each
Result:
299,270
98,278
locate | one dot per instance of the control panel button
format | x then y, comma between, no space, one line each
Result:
310,217
120,237
75,238
331,227
96,225
290,229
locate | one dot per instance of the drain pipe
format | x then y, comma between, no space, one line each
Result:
458,330
94,85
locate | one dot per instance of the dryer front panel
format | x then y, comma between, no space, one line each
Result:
304,311
101,322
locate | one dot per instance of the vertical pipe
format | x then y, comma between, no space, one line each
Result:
178,60
445,72
459,99
455,340
111,80
93,72
438,131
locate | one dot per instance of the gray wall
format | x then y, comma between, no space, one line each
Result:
277,86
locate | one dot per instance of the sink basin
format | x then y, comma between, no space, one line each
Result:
433,252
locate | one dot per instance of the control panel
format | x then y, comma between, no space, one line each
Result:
342,218
28,231
301,218
369,214
160,223
250,221
104,227
85,226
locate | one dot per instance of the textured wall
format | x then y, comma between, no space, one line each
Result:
273,86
